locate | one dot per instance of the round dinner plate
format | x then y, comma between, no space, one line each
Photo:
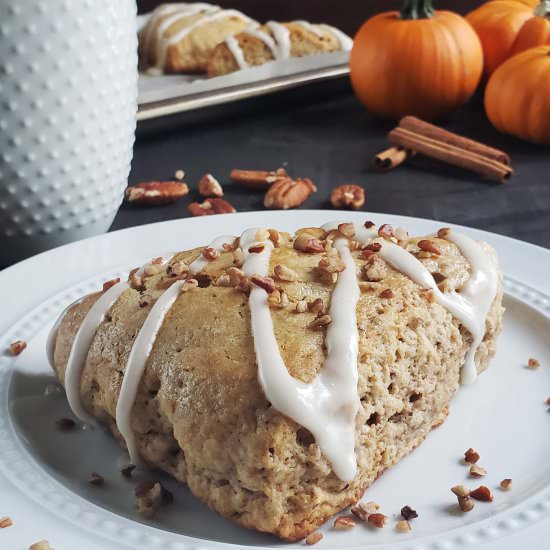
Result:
44,472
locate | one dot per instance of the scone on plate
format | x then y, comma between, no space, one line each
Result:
180,38
273,41
279,375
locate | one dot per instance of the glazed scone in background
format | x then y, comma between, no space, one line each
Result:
201,414
190,54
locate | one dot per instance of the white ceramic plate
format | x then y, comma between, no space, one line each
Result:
44,472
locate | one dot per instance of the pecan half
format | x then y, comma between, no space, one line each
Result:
348,196
153,193
209,186
210,207
257,179
289,193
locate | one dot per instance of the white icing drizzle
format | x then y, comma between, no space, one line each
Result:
142,346
217,244
282,39
266,38
81,345
139,354
328,405
236,51
346,43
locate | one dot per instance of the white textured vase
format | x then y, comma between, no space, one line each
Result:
68,101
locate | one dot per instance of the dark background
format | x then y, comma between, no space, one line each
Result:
346,14
332,139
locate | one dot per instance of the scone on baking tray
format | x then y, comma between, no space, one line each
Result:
180,38
274,41
279,375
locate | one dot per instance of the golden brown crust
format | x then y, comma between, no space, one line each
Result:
200,413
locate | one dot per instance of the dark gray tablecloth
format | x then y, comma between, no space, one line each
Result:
333,141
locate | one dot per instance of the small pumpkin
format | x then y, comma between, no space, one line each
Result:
507,27
415,62
535,32
516,98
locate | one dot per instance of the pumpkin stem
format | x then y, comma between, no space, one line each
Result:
418,9
543,9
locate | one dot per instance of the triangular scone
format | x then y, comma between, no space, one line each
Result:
202,412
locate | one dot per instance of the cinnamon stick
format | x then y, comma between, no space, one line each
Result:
451,154
435,132
391,158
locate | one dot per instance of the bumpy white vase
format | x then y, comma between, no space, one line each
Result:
68,100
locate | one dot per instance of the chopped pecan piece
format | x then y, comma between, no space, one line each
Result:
482,493
289,193
17,347
477,471
408,513
386,294
369,224
314,538
210,253
209,186
348,196
96,479
377,520
257,179
65,424
307,243
154,193
41,545
466,504
471,456
256,248
344,523
128,470
429,246
403,526
151,495
109,284
443,232
321,321
210,207
301,306
275,237
533,363
5,522
438,277
267,283
284,273
373,247
506,484
331,264
317,305
460,491
347,229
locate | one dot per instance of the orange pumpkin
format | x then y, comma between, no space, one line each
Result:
507,27
535,32
415,62
516,98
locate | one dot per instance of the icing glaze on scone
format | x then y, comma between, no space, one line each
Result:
326,406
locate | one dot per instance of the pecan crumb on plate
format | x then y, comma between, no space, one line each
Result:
314,538
344,523
506,484
482,493
477,471
377,520
41,545
17,347
471,456
5,522
533,363
408,513
403,526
